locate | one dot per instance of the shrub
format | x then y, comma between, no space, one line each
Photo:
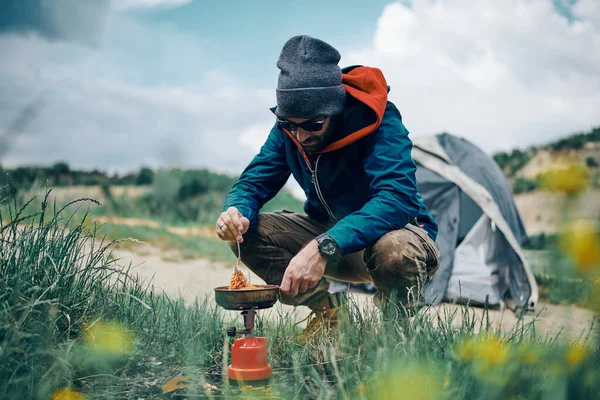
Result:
145,177
524,185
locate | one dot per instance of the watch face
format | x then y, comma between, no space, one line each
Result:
328,247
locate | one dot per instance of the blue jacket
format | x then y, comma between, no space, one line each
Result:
364,179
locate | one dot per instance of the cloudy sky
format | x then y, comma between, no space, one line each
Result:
117,84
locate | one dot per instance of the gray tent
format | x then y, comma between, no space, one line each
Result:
480,230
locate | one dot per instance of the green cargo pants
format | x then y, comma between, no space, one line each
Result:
398,264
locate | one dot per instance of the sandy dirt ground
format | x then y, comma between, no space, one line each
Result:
184,231
191,279
542,212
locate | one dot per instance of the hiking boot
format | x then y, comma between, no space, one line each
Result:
323,320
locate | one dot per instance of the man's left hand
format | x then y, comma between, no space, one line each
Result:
304,271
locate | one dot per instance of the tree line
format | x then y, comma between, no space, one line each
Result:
191,181
511,162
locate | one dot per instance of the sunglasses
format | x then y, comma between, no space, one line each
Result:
310,126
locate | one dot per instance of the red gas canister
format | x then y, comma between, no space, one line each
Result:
249,360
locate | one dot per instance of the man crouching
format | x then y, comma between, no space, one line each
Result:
346,146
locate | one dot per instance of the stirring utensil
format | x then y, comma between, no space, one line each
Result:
237,263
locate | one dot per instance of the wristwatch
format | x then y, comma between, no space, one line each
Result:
328,248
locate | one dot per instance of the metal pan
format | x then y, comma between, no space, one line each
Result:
242,299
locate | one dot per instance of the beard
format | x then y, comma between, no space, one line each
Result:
318,143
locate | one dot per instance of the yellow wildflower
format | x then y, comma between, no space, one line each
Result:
489,355
576,353
109,338
466,350
407,382
571,180
493,351
68,394
488,349
581,243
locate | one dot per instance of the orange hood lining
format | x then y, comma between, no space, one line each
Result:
367,85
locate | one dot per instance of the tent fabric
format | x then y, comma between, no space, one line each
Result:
432,145
483,169
442,199
483,265
471,184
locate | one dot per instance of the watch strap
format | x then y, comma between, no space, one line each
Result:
322,236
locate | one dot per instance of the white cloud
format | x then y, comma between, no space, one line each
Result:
130,4
95,116
501,74
589,10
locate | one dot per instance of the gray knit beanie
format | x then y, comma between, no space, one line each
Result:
310,81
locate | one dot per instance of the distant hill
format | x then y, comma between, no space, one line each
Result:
523,167
542,211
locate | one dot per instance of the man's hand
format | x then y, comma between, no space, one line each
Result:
304,270
231,225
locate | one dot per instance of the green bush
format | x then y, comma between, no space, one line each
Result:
541,241
145,177
513,162
524,185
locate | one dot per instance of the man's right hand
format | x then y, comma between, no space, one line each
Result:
231,225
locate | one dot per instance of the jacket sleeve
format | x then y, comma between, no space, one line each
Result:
262,179
393,195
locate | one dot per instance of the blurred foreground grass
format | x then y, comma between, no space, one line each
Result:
75,325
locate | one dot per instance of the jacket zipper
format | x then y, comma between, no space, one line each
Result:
313,174
315,182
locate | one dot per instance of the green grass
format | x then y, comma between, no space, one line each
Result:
558,281
58,283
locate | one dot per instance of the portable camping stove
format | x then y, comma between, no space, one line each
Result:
249,354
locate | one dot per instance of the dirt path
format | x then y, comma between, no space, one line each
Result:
191,279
